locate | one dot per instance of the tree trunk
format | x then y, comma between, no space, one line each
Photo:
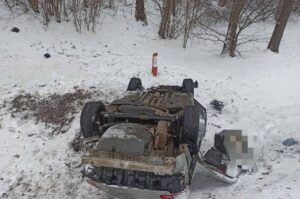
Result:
111,4
34,4
186,25
279,9
57,10
165,23
231,38
280,26
140,11
190,12
222,3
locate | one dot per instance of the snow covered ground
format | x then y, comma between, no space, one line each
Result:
261,91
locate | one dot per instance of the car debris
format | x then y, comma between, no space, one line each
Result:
15,29
47,55
290,142
146,144
217,105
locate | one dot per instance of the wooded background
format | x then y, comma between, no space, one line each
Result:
183,19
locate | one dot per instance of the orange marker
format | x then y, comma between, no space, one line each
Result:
154,64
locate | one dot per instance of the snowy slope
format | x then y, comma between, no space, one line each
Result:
261,91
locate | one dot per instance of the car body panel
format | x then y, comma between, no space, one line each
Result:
122,192
157,164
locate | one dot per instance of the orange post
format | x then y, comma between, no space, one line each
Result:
154,64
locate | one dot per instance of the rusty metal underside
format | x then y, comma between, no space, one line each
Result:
163,99
164,104
157,163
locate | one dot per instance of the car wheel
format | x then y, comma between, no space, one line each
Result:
188,85
135,84
191,126
90,115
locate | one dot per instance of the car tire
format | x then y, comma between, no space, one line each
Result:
188,86
135,84
90,115
190,125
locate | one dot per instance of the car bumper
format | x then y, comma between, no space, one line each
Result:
135,193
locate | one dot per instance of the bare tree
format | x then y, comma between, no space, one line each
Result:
159,4
7,3
22,5
140,11
193,12
296,7
86,12
166,19
280,25
188,23
253,11
232,37
111,4
83,12
77,19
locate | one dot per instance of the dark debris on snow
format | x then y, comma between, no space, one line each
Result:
217,105
47,55
15,29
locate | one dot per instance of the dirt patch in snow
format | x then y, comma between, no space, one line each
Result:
24,102
55,110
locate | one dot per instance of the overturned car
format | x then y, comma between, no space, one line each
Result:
145,145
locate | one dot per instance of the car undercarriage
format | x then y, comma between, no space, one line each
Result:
149,139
